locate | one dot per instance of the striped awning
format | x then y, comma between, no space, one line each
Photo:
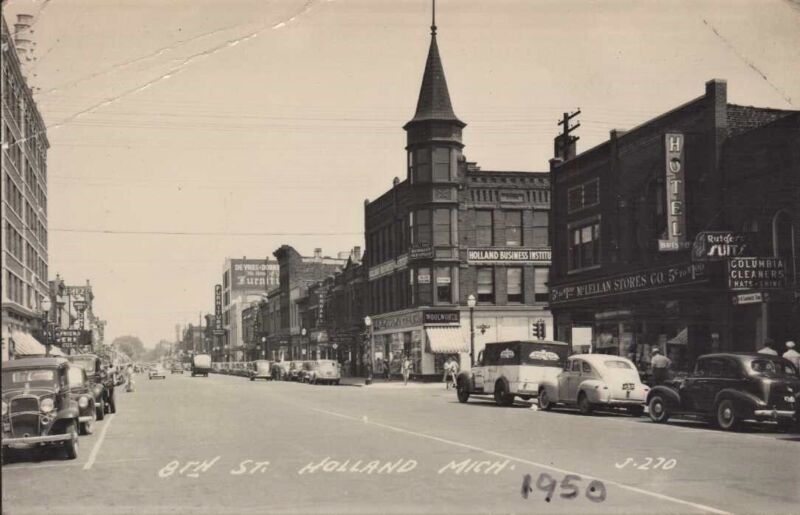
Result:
446,340
25,344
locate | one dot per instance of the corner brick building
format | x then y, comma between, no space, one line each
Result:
447,231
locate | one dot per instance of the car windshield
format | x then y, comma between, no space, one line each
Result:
773,368
75,376
615,363
85,363
42,377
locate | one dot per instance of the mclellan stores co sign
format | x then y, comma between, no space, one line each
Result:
645,280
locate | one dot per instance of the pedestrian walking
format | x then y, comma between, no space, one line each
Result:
769,348
448,365
660,365
792,355
387,371
407,366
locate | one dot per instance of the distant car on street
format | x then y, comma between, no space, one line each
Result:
280,370
176,368
514,368
157,372
729,388
37,406
201,365
589,381
321,371
260,369
295,369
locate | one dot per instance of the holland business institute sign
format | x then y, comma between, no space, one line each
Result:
509,255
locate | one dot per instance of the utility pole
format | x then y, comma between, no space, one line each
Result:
564,142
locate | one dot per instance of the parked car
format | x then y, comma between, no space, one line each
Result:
515,368
729,388
80,391
201,365
176,368
295,368
280,370
157,372
100,382
260,369
321,371
589,381
37,406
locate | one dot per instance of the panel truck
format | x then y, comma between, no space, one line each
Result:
201,365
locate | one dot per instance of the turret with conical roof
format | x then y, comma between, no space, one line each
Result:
434,133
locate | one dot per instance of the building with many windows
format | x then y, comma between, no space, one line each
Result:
680,233
243,282
448,231
24,207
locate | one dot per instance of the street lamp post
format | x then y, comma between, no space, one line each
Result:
368,323
46,325
471,304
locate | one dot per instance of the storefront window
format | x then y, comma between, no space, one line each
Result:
416,351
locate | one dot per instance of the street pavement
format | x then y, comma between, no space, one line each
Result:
224,444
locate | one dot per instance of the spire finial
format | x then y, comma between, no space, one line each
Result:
433,20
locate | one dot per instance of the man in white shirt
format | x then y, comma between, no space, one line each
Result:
769,348
791,354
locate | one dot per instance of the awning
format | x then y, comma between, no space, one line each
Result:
681,339
446,340
26,345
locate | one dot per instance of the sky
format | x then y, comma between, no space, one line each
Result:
186,131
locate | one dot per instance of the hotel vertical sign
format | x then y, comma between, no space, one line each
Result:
675,192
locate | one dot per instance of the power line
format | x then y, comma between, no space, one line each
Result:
201,233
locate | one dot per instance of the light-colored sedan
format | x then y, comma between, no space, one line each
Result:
157,372
591,381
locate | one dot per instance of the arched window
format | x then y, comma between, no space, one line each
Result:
783,243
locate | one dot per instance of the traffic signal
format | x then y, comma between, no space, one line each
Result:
539,330
535,331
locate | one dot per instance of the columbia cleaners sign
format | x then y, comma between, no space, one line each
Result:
754,273
644,280
509,255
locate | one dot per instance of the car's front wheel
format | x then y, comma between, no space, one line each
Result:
659,412
100,410
462,391
727,418
87,428
584,405
71,445
111,405
544,400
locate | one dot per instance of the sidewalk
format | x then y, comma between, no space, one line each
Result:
381,383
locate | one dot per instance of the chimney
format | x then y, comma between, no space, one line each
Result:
318,253
356,253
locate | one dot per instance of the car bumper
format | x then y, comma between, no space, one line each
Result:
85,419
32,440
773,414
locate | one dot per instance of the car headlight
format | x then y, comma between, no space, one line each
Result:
98,389
5,408
83,401
47,405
